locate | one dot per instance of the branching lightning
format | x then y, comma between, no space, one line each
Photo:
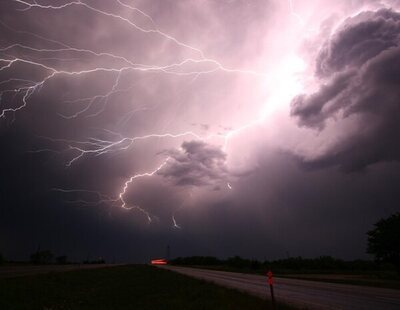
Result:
293,13
131,179
25,88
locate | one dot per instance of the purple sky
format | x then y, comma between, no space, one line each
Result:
220,127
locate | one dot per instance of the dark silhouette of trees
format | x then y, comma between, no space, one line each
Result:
2,260
291,264
384,240
42,257
100,260
197,260
61,260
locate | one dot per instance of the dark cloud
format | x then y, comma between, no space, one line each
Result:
360,39
359,72
272,209
315,108
195,163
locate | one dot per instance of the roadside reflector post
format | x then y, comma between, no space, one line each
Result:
271,287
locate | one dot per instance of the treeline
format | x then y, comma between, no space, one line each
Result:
43,257
292,264
46,257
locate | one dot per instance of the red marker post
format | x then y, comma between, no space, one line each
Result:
271,287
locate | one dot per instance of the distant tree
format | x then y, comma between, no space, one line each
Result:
238,262
255,264
196,261
384,240
61,260
100,260
42,257
2,260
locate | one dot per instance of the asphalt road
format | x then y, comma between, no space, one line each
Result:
302,293
18,271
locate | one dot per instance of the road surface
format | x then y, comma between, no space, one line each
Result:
302,293
18,271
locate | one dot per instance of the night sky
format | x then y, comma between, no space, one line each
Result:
258,128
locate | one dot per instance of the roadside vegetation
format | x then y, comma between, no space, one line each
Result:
384,241
384,271
323,264
320,265
325,269
123,287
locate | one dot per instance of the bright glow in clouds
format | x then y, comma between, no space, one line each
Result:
286,83
180,85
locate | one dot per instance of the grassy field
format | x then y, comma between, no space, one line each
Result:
123,287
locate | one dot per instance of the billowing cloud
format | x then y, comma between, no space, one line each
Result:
196,163
358,69
130,126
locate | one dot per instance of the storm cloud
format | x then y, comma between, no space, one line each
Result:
195,163
130,125
358,72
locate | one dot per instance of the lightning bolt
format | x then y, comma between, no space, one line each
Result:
177,68
293,13
175,224
131,179
29,6
25,88
100,197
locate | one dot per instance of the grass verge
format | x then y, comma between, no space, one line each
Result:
123,287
